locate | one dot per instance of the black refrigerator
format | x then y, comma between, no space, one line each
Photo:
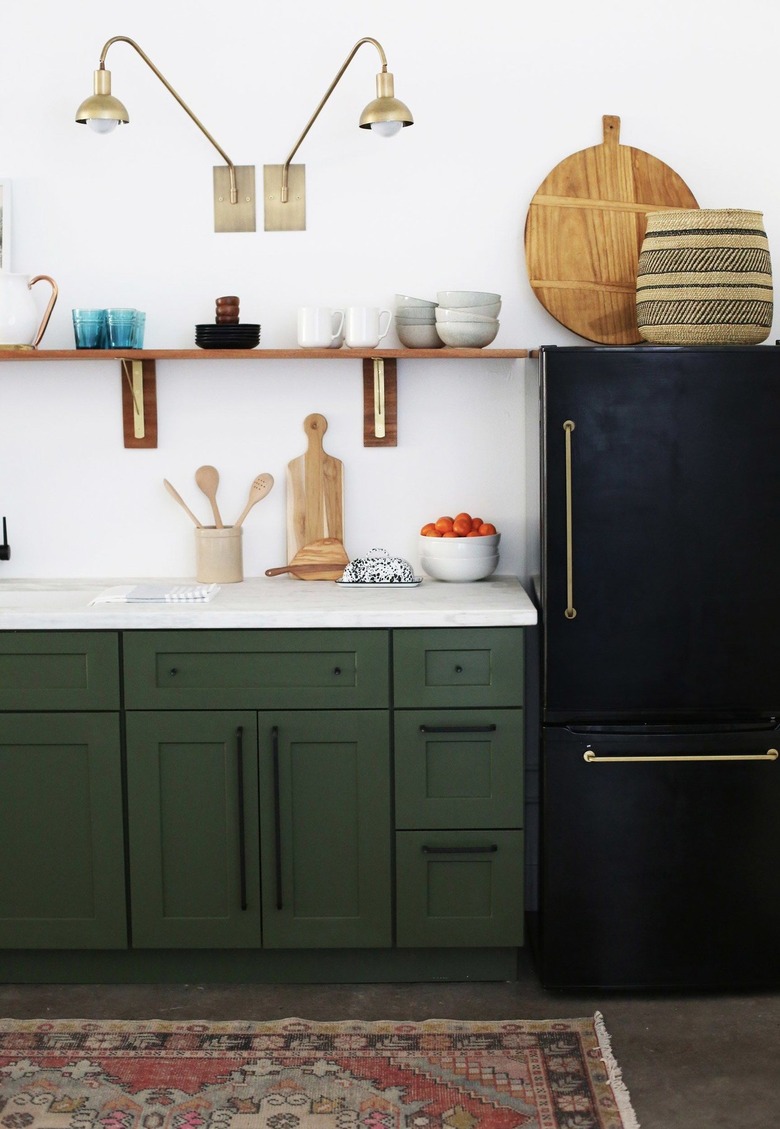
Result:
659,667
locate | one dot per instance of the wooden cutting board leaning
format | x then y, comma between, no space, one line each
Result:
584,232
315,492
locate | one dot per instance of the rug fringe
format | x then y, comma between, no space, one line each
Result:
615,1075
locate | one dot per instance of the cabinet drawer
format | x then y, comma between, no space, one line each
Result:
456,666
256,669
59,670
459,768
459,888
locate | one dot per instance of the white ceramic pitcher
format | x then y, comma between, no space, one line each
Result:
19,318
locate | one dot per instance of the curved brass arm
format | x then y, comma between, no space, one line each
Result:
328,92
180,100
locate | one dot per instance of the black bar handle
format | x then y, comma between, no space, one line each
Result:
490,850
457,728
277,815
241,818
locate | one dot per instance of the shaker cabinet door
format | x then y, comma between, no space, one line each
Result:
62,877
325,824
193,829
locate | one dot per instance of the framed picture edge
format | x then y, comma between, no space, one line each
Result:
5,224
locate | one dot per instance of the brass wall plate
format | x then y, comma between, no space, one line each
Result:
241,216
292,215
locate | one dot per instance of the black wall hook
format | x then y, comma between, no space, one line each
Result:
5,548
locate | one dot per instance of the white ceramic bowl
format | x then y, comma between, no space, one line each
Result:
467,334
418,314
448,313
466,297
488,310
459,548
409,302
469,568
419,336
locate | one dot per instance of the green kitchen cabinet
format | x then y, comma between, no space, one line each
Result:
458,757
326,829
192,810
62,879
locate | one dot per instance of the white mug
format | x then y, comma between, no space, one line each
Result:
319,327
363,326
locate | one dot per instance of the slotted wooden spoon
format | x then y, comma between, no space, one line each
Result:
257,491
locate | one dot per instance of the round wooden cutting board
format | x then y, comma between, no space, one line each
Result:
584,232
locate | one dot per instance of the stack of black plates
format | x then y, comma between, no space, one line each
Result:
227,336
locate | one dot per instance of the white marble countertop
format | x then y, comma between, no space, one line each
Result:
262,602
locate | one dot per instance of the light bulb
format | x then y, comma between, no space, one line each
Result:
387,129
102,125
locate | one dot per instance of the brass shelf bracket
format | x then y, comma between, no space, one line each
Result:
139,402
380,402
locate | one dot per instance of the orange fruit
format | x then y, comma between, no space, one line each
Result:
463,517
487,529
462,525
474,533
427,529
450,534
475,523
433,532
444,524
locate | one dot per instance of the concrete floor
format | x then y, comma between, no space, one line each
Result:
689,1061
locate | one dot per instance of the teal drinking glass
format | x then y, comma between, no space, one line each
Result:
120,324
89,328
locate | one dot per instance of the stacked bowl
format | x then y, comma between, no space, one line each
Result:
415,322
459,558
467,319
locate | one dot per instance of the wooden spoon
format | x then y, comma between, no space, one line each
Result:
257,491
174,493
207,478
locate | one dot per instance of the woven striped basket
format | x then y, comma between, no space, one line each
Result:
704,278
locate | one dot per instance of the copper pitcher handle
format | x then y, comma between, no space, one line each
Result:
47,313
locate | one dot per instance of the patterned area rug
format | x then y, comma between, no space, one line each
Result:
296,1074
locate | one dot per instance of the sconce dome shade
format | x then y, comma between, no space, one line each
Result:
102,107
383,110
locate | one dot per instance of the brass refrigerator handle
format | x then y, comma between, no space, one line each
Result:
592,757
570,611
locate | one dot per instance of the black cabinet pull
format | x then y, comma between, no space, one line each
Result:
173,671
459,670
458,728
277,815
337,670
489,850
241,820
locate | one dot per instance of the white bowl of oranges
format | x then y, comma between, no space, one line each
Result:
459,548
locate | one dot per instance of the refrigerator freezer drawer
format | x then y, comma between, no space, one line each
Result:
660,859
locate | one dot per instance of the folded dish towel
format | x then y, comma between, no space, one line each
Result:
156,594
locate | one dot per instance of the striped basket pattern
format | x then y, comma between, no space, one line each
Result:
704,278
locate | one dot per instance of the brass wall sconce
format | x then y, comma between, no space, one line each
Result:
284,186
234,185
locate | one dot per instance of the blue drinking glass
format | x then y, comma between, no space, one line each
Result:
89,328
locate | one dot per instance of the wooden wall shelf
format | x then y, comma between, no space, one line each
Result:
139,378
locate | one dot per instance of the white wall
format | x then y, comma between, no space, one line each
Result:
501,92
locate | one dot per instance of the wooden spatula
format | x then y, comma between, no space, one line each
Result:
324,559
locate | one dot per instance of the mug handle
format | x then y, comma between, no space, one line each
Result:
340,326
383,332
49,308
